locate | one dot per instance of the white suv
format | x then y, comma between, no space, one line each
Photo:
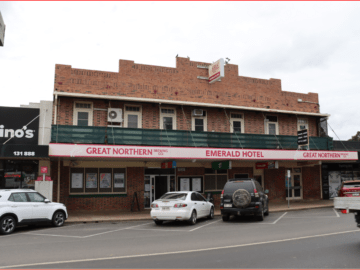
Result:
28,207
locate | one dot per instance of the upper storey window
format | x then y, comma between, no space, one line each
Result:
132,116
198,120
168,118
271,125
303,124
237,123
83,114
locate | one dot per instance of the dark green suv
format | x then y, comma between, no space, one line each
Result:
244,197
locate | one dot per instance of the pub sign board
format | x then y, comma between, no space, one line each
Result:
303,137
19,125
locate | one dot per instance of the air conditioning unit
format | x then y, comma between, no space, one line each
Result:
198,112
115,115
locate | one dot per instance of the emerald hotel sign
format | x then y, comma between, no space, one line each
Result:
204,153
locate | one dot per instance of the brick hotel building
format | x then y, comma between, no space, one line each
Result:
151,129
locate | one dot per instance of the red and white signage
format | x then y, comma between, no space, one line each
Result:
158,152
216,71
261,165
44,169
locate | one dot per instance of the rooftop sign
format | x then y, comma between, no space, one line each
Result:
216,71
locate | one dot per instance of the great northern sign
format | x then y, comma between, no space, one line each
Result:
158,152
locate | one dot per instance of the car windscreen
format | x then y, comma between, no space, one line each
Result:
174,196
231,187
352,185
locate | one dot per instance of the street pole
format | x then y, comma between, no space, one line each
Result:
288,186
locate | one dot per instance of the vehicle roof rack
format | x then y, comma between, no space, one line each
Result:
240,179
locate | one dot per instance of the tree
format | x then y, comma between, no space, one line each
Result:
356,138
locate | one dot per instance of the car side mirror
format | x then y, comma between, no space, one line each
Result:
46,201
266,191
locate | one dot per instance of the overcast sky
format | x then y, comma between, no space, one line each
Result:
310,46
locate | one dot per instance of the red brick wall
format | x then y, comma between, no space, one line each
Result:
274,181
217,120
135,183
311,182
181,83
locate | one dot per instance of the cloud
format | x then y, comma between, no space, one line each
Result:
310,46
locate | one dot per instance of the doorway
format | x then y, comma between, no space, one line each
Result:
293,186
161,185
156,186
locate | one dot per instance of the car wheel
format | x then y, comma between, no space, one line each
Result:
267,211
192,219
225,218
260,216
211,215
158,222
7,224
58,219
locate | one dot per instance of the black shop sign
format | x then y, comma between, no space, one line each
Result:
19,125
303,137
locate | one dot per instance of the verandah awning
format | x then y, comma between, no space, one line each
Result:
158,152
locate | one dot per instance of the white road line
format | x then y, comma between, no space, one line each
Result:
337,214
115,230
57,235
279,218
311,217
160,230
204,225
178,252
15,234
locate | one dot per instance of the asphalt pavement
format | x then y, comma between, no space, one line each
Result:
317,238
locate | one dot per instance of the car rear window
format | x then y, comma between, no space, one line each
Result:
352,185
230,187
174,196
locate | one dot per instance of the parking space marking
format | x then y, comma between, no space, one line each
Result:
163,230
204,225
279,218
57,235
115,230
337,214
178,252
15,234
86,236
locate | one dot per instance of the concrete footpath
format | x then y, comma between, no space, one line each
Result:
115,215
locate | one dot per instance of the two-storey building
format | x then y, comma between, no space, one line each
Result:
152,129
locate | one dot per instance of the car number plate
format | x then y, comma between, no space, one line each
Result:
356,194
166,208
227,205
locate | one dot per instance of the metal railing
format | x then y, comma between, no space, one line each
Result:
133,136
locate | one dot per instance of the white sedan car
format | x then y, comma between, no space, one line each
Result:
27,207
181,205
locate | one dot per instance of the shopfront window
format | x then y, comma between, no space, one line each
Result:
18,174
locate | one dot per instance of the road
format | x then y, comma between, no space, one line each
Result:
320,238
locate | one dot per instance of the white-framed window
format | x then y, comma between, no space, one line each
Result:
167,118
271,125
133,116
198,120
302,124
237,123
83,113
